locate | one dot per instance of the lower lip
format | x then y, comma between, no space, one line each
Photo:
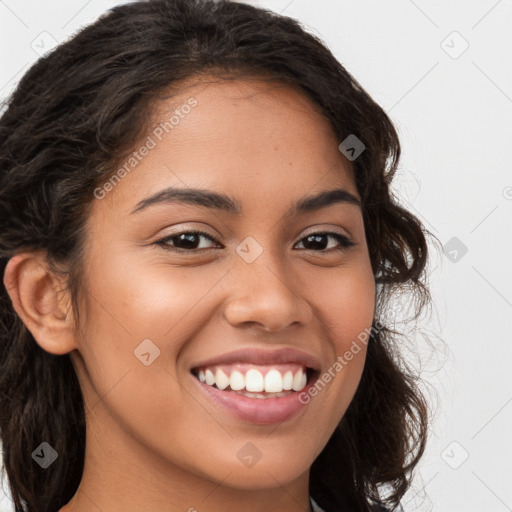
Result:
265,411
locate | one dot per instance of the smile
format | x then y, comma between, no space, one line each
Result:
258,386
253,381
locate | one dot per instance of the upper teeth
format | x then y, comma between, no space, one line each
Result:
254,381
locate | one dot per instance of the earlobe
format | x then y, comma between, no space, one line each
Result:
40,301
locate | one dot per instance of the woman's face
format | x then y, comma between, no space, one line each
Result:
250,304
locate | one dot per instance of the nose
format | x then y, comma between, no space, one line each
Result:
263,293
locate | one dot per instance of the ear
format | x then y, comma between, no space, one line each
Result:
41,301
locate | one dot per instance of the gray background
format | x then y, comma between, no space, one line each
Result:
452,106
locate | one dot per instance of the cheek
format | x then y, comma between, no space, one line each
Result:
151,298
157,309
142,313
349,312
345,301
345,307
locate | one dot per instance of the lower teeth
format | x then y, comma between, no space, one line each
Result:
258,395
262,395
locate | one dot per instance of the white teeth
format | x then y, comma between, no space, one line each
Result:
209,377
299,381
287,380
261,396
273,382
221,379
236,381
253,381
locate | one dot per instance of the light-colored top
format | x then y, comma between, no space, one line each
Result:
315,506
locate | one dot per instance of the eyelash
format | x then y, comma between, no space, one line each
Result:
345,242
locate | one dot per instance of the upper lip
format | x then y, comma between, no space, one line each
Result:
263,356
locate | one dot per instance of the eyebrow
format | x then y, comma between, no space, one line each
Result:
222,202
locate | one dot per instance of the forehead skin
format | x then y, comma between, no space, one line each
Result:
243,136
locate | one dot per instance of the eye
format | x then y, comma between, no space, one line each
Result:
317,241
189,241
184,242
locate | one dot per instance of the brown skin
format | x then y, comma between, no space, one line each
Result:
154,440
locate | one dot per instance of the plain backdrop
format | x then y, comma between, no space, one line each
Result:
443,73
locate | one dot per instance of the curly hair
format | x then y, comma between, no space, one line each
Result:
73,117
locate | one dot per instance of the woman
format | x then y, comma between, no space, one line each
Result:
197,240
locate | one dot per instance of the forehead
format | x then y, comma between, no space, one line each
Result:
250,138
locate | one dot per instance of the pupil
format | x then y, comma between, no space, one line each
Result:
185,237
317,239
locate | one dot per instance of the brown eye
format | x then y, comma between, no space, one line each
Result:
188,241
317,241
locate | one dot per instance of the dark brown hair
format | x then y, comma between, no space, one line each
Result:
72,118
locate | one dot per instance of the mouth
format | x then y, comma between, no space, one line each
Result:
261,387
256,381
